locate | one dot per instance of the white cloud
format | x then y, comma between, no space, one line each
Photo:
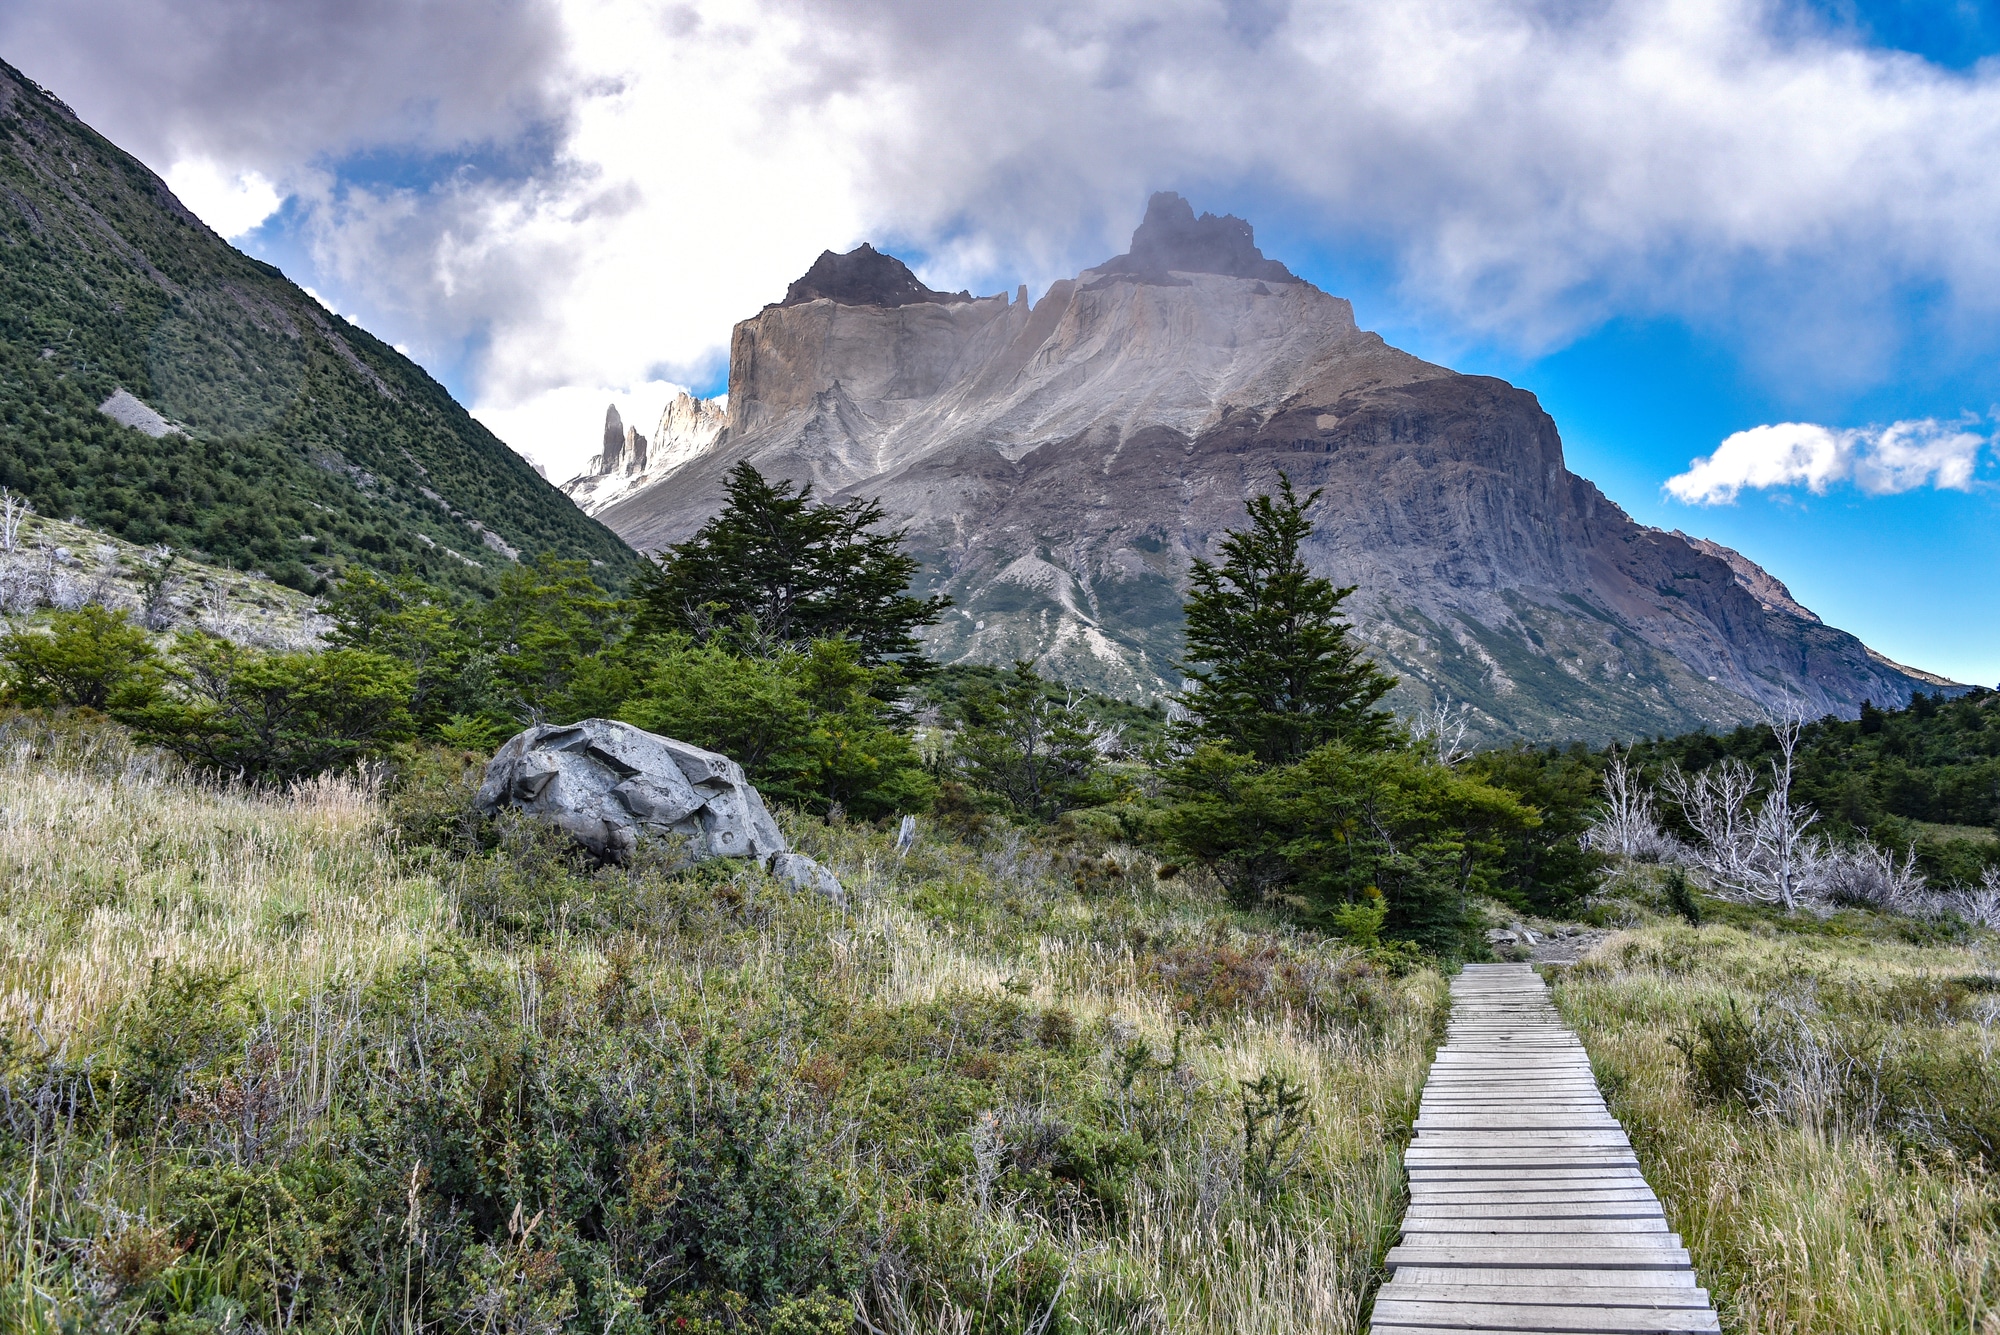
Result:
232,203
1881,461
653,172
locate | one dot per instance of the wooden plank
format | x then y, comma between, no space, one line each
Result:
1515,1234
1544,1277
1501,1227
1540,1255
1395,1313
1528,1211
1546,1209
1661,1297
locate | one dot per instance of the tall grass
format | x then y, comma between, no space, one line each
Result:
1795,1092
922,1065
117,869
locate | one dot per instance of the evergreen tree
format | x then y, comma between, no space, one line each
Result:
92,658
1029,745
1274,672
800,570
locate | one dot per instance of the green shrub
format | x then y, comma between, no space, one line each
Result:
808,725
1343,825
274,717
723,1178
1681,897
1721,1052
88,659
430,796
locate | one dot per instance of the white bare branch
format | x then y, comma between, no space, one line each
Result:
1439,731
1626,824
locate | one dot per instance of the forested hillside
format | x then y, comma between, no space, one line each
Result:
1929,774
305,444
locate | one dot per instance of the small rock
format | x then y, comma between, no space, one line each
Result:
802,873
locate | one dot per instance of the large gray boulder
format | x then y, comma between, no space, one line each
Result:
608,784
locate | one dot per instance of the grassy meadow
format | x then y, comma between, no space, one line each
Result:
1816,1101
341,1058
332,1060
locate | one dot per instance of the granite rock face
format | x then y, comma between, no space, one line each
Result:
608,785
687,428
1059,464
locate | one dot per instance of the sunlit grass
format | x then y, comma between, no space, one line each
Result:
1800,1223
119,871
111,876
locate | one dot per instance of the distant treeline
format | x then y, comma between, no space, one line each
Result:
1926,777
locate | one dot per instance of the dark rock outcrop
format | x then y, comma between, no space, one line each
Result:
864,276
1171,238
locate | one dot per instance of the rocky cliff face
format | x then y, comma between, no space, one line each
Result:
629,462
1060,463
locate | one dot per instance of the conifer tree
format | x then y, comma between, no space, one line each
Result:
1272,668
799,569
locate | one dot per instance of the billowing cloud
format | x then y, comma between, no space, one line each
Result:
233,203
589,192
1880,460
274,87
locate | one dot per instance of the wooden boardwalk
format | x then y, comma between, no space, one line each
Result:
1527,1209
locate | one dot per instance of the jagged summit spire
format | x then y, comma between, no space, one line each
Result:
614,441
864,276
1171,238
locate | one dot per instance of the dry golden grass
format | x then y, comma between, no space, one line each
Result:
116,869
1797,1222
111,875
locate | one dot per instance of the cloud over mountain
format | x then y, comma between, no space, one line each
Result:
587,193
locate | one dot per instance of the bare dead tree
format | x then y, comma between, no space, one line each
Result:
1440,731
1716,803
1783,845
13,510
158,585
1980,904
1626,824
1756,850
1874,878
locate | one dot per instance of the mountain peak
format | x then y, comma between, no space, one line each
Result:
864,276
1171,238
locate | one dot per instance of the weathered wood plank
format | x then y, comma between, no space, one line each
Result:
1661,1297
1509,1226
1393,1313
1537,1255
1535,1277
1634,1208
1528,1211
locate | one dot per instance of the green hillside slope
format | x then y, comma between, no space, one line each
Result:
307,443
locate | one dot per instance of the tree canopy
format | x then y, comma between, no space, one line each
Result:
800,570
1274,672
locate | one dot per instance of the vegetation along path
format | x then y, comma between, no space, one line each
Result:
1527,1208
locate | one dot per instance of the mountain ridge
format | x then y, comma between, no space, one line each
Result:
294,442
1060,462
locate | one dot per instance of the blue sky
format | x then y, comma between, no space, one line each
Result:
1672,220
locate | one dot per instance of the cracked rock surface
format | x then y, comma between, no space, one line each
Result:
608,784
